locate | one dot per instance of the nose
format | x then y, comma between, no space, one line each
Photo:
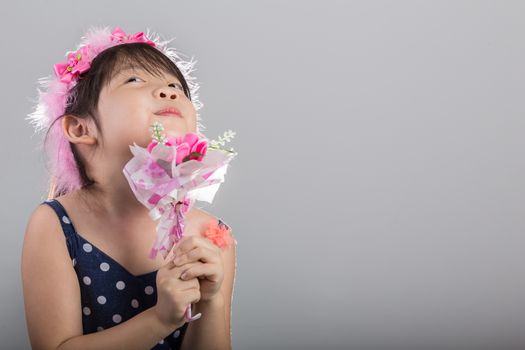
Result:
166,92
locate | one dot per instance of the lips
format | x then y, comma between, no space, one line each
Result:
169,112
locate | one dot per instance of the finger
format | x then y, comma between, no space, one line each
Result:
204,254
209,271
176,273
172,254
178,269
184,244
192,283
168,256
187,243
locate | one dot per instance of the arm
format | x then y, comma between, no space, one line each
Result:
213,330
52,297
143,331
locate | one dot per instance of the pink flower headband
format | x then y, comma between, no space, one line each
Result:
80,61
54,93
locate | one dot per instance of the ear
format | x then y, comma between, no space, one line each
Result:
79,130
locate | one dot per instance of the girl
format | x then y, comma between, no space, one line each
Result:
87,280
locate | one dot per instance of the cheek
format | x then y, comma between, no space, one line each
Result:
135,133
120,131
191,120
122,137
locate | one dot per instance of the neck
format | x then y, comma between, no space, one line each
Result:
113,199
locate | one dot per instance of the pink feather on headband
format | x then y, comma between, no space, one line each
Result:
53,94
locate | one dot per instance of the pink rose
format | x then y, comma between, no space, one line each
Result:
187,145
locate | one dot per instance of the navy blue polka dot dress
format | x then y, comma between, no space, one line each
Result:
110,294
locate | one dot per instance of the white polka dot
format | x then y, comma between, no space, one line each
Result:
117,318
86,311
74,262
66,219
99,329
104,266
49,200
176,334
161,342
121,285
87,247
101,299
135,303
87,280
148,290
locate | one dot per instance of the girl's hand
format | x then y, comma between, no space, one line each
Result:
199,257
174,295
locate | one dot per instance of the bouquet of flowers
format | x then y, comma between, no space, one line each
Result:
170,175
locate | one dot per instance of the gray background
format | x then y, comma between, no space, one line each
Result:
378,194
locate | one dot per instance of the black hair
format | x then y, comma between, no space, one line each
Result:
83,98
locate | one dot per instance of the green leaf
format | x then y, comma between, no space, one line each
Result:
194,154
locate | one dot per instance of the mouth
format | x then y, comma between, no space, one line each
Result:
169,112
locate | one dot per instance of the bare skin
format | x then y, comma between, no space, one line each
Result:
108,215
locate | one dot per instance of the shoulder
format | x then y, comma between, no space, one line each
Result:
43,238
207,224
52,314
42,218
199,220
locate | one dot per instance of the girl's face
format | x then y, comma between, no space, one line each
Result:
133,101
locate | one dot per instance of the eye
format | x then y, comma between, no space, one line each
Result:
176,86
133,79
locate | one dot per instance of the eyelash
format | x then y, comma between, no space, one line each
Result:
175,85
130,79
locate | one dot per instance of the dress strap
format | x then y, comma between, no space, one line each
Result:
63,217
222,224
